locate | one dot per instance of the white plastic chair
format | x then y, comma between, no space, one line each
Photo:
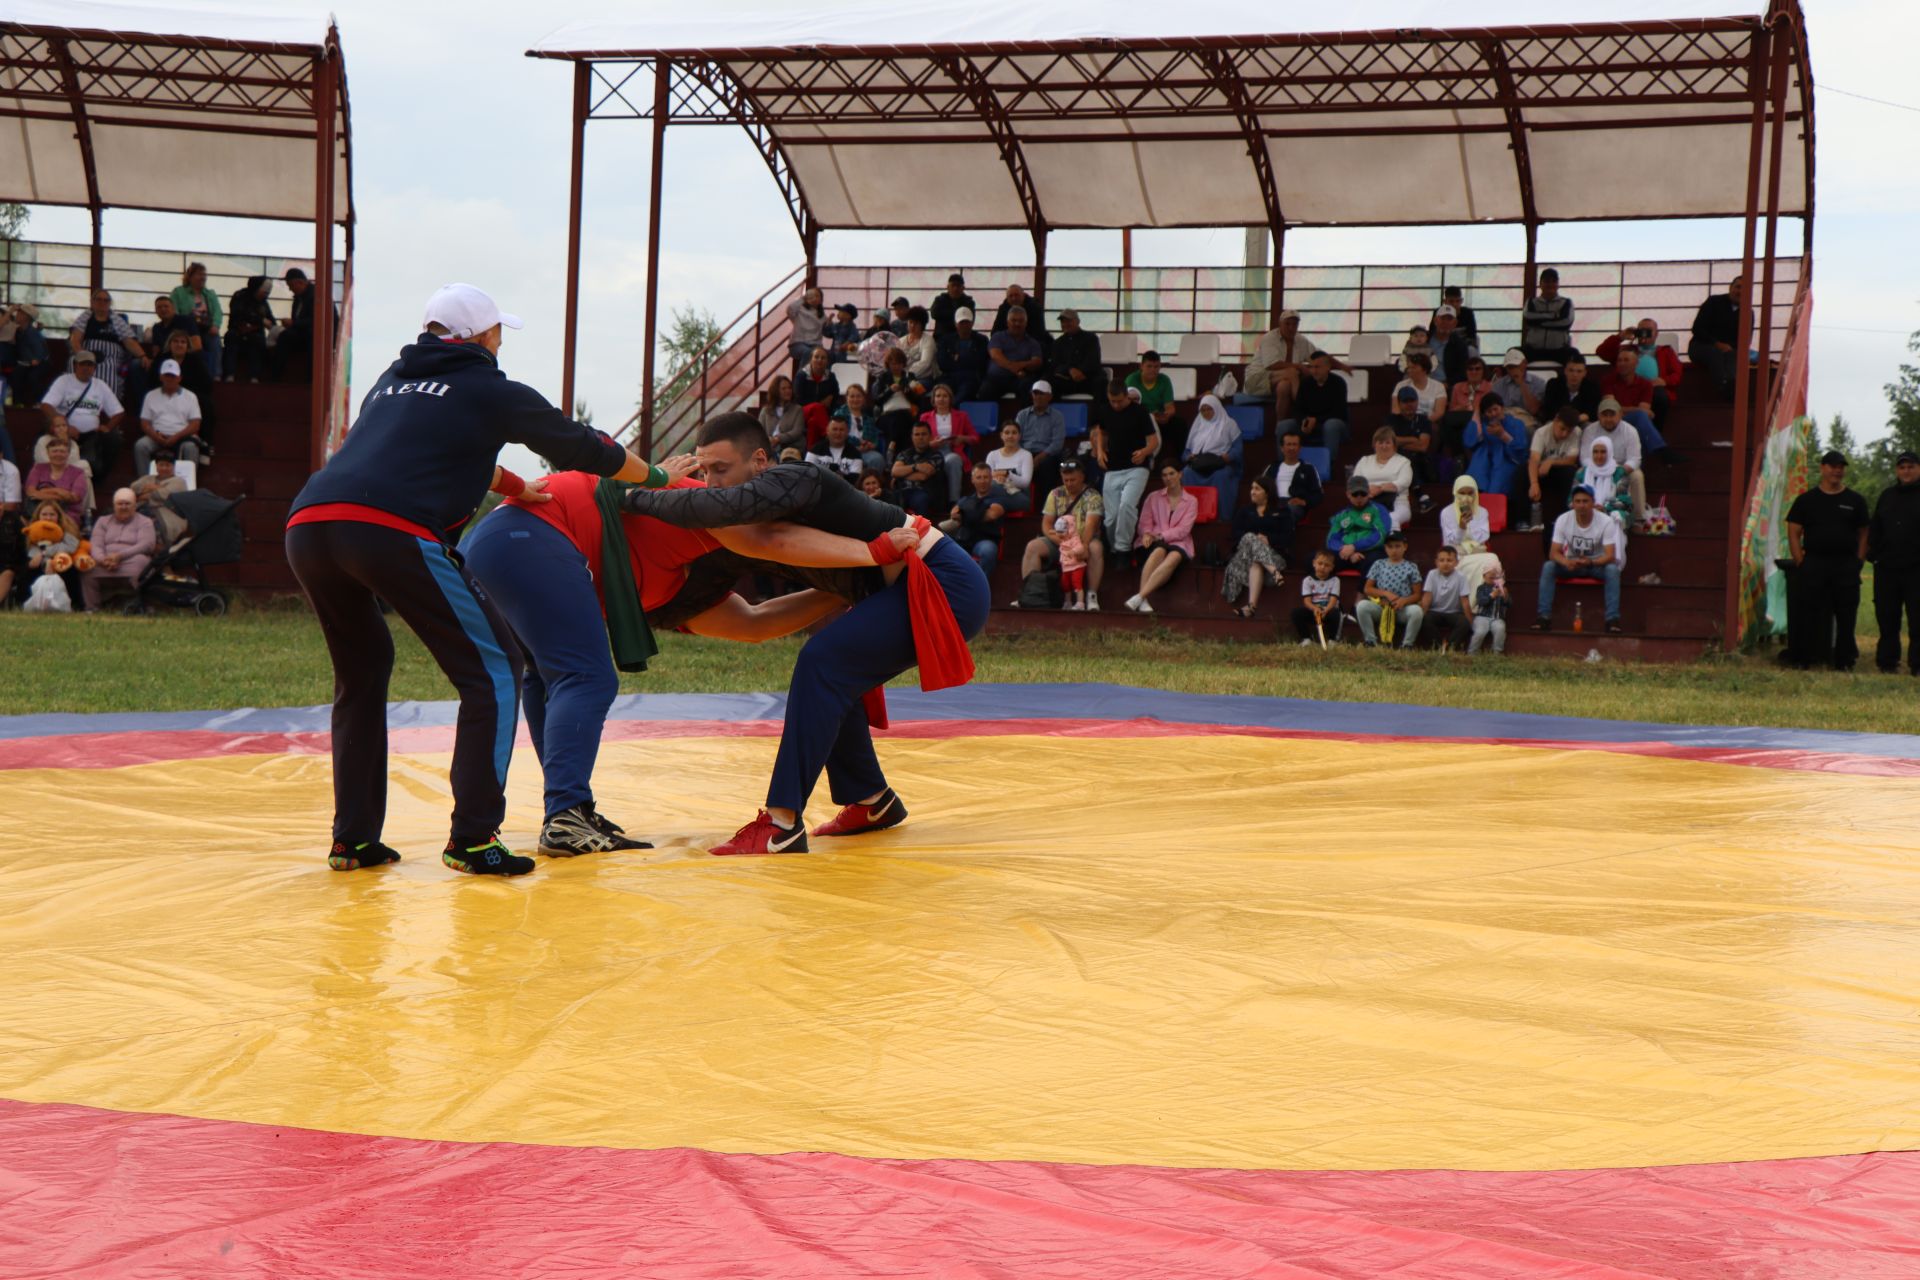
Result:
1184,381
1119,348
850,375
1197,349
1369,350
1358,384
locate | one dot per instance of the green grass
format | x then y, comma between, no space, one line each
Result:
274,657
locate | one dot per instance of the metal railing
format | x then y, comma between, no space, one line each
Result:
1160,304
56,277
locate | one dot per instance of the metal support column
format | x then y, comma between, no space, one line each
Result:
1279,302
662,80
1777,96
1757,70
570,339
325,161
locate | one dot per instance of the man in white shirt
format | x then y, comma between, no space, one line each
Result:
1587,543
1623,446
1278,364
84,406
169,419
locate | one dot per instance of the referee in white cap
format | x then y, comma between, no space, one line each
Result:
376,523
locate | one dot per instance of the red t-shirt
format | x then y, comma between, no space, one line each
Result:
1630,392
659,552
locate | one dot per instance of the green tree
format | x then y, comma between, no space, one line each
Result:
1903,419
689,333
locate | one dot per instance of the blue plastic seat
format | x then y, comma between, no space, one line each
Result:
1075,412
985,414
1322,462
1252,419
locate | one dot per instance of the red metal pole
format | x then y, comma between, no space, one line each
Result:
662,79
1124,304
1039,271
570,339
1530,278
325,149
1778,93
1742,379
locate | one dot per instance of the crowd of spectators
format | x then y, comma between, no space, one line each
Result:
106,379
1546,441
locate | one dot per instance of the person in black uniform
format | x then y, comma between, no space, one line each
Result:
374,524
1893,543
1827,535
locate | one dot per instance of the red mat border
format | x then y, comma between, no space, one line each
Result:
94,1193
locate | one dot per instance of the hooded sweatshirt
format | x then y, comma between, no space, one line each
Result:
423,448
1893,536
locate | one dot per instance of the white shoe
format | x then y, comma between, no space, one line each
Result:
1133,602
1093,602
1306,644
1145,607
1078,606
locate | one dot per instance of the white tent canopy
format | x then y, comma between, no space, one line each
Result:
188,111
1007,114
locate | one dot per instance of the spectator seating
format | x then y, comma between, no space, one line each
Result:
985,414
1252,419
1208,499
1496,505
1369,350
1185,382
1359,385
1120,348
1197,349
1076,413
1322,462
850,375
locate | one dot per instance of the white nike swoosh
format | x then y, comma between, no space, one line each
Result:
874,815
778,845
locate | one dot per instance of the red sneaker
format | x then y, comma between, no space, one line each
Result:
857,819
763,836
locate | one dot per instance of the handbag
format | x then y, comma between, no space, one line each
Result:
1206,463
1660,521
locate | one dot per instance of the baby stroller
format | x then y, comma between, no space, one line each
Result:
177,578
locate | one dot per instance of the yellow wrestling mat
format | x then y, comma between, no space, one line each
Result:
1210,950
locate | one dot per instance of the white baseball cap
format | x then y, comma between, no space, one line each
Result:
169,367
963,316
464,311
1043,385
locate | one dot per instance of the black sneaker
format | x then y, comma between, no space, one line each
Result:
349,856
578,830
488,859
1542,624
615,830
1613,627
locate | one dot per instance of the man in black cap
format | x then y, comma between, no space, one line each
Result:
899,322
946,307
1827,535
1893,544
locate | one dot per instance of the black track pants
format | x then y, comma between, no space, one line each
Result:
346,568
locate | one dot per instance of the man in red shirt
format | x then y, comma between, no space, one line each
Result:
580,598
1635,394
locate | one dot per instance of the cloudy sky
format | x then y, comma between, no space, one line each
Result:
461,173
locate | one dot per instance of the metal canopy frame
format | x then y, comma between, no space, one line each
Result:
1253,90
241,88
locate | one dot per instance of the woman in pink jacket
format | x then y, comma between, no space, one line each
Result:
123,545
1165,537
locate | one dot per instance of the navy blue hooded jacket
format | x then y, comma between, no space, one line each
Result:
424,445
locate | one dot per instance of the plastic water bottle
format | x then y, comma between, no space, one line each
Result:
1579,622
1539,518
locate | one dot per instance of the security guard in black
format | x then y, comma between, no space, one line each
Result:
1827,534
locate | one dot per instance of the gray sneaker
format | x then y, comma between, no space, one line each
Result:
578,830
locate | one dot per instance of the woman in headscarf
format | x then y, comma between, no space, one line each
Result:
1464,526
1611,484
1213,453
